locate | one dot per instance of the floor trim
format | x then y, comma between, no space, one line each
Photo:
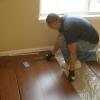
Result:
24,51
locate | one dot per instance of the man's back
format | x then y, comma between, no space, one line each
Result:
76,28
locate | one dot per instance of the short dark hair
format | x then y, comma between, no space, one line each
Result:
52,17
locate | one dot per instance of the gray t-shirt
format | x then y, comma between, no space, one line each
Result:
75,28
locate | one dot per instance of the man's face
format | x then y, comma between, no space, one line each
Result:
55,25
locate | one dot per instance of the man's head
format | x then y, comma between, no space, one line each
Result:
53,21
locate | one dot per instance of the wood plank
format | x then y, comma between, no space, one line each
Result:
60,88
28,82
8,84
44,81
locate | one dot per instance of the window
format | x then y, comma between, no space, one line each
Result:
83,7
94,6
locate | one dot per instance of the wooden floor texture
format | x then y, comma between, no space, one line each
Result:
43,80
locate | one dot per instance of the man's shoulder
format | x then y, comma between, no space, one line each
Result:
70,20
73,16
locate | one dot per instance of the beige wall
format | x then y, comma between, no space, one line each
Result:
20,28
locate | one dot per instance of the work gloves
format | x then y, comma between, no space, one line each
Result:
71,75
49,56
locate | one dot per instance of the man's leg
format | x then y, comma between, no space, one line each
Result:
64,50
86,51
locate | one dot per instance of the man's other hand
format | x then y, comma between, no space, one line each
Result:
49,56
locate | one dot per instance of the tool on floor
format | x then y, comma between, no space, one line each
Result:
47,56
26,64
42,57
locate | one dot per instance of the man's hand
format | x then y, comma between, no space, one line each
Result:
49,56
71,76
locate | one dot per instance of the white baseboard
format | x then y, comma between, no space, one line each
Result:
24,51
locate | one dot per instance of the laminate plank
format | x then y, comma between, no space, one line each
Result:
8,84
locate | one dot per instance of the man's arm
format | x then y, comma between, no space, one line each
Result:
73,54
57,43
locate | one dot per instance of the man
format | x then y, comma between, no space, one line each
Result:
77,39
